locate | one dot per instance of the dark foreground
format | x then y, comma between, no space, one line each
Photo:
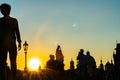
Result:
66,75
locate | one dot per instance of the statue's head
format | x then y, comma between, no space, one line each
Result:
5,9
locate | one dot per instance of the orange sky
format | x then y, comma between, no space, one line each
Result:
92,25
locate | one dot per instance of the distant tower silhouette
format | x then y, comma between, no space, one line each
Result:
117,56
59,58
72,65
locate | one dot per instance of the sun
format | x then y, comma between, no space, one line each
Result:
34,64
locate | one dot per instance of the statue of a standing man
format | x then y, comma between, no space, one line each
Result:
9,32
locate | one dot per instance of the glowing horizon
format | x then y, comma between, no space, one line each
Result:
92,25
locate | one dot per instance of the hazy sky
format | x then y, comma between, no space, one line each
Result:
93,25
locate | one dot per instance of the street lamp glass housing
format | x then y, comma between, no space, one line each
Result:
25,46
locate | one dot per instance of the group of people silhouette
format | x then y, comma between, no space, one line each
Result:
9,34
85,63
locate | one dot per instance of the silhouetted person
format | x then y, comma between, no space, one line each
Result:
91,65
81,58
9,32
51,63
81,66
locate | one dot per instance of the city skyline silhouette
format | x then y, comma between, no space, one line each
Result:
86,68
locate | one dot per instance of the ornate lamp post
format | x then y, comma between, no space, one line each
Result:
25,46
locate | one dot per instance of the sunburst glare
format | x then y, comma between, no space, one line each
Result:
34,64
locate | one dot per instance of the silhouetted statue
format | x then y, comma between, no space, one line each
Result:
59,59
9,32
51,63
59,55
101,65
100,73
7,72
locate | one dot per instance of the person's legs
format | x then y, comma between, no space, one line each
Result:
3,58
13,55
